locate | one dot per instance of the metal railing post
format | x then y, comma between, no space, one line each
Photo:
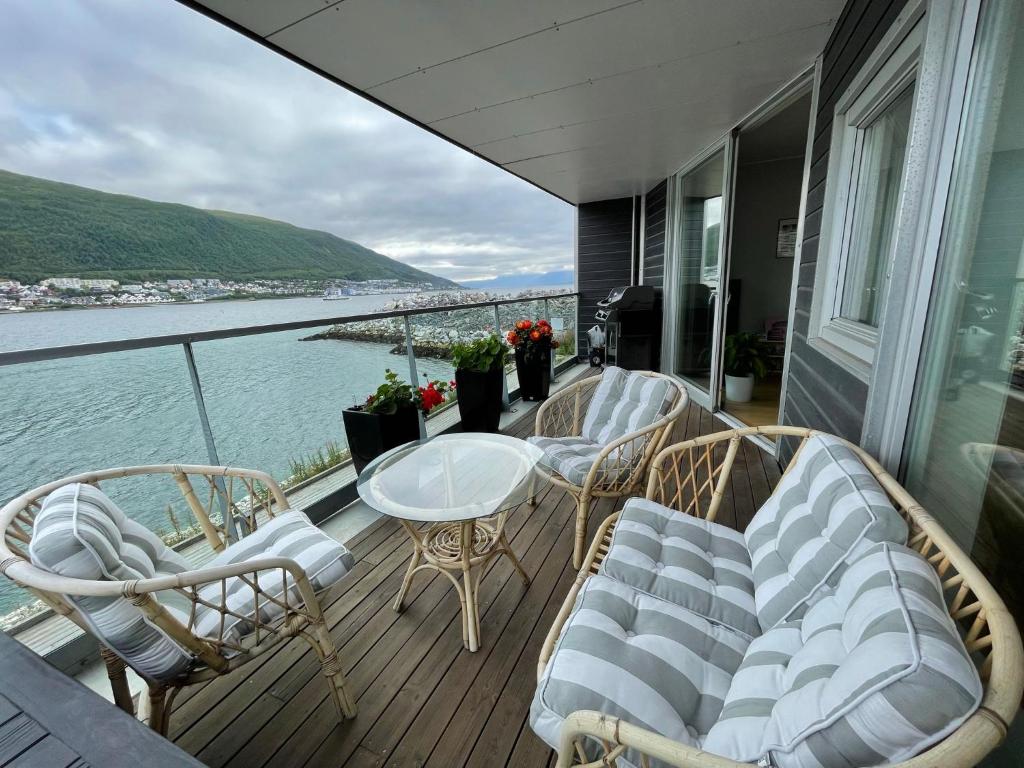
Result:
211,446
414,377
547,316
504,376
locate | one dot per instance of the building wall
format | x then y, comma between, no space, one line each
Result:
604,252
820,393
654,236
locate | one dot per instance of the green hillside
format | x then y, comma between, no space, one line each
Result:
49,229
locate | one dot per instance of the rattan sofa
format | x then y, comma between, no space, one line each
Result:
691,478
619,468
281,600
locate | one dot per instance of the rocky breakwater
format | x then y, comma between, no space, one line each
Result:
434,333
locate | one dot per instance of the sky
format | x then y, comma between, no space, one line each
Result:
150,98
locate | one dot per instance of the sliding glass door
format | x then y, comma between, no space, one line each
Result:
964,454
697,245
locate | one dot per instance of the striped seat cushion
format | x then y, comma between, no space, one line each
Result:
288,534
81,533
874,673
573,457
624,402
640,658
824,513
686,560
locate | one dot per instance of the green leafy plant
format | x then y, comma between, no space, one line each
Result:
479,355
744,354
395,393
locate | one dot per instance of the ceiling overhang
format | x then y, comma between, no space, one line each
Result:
587,99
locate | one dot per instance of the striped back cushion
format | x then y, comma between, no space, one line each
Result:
80,533
825,512
624,402
874,673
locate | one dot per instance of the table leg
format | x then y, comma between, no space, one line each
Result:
472,617
407,581
507,549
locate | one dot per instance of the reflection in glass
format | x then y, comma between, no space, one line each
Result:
883,149
699,213
965,449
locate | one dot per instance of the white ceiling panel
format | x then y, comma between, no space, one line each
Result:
376,41
264,17
588,99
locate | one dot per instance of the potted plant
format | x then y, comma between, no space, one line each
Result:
532,342
388,417
743,360
479,371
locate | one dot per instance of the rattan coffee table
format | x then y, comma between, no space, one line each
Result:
462,486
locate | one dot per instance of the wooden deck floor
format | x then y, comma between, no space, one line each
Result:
423,700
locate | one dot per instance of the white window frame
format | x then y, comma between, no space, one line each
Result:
892,68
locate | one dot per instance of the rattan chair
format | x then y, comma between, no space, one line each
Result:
296,609
692,477
620,468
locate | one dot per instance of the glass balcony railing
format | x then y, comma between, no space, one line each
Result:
260,397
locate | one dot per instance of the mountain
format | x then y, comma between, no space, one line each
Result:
507,282
50,229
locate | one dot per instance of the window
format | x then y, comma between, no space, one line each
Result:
870,136
712,227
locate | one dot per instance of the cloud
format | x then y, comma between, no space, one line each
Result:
152,99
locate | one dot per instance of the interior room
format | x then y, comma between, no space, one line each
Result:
769,171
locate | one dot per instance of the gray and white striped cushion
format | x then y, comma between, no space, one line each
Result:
80,533
624,402
571,457
874,673
825,512
686,560
288,534
640,658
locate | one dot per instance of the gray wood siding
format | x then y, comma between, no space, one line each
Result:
819,393
604,252
654,236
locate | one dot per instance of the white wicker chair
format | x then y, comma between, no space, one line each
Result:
296,611
691,477
619,469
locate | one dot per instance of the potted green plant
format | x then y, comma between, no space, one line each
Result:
533,343
479,371
743,361
388,417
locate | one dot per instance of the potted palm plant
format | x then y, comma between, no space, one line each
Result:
743,360
479,371
533,342
388,417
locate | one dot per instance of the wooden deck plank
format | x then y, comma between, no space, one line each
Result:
422,699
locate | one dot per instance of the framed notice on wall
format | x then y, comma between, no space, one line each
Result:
785,244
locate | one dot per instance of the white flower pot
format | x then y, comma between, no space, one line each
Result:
739,389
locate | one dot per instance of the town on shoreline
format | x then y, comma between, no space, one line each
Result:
88,293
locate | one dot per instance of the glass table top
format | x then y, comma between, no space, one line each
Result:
450,477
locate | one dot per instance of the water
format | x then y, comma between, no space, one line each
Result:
269,397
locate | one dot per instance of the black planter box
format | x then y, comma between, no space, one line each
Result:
371,434
534,373
479,399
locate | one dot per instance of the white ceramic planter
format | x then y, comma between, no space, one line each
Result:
739,389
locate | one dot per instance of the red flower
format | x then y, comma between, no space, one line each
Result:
452,383
544,323
535,335
524,325
512,338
